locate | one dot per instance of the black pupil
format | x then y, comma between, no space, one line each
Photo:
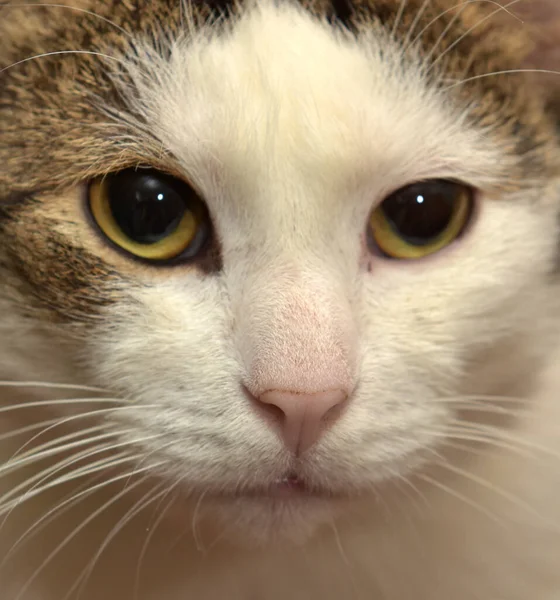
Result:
146,207
420,213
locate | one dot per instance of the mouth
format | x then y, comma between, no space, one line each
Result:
290,487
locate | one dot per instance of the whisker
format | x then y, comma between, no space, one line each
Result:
33,457
492,442
448,490
56,443
150,454
505,436
31,483
150,535
64,479
471,29
37,478
415,24
51,385
398,17
68,502
58,422
71,536
416,493
491,409
27,429
461,5
74,8
196,538
61,52
498,491
404,508
59,402
483,398
491,436
341,551
463,448
136,509
507,72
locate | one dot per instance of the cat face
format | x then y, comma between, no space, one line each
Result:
356,238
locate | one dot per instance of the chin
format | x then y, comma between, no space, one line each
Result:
250,521
288,512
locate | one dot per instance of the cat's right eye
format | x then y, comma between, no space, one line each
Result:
151,215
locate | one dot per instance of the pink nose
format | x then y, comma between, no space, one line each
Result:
303,418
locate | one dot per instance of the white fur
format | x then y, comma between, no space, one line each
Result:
293,133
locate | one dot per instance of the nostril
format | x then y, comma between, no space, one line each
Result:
270,412
333,414
275,413
291,403
301,418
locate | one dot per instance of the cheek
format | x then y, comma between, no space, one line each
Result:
170,355
422,326
477,289
170,334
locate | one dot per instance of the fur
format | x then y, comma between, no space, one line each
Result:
440,478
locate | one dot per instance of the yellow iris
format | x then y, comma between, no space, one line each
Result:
396,244
171,244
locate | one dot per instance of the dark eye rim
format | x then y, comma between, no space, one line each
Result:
204,247
474,205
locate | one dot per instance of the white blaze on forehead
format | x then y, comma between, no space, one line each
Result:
292,132
280,93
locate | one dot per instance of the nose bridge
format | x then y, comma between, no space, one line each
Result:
298,333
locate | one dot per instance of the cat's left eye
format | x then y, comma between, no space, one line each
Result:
151,215
421,219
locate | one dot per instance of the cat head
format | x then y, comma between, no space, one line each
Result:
298,243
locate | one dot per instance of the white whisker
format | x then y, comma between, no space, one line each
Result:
196,537
450,491
477,437
505,436
74,533
37,478
70,500
61,52
68,477
30,484
59,402
56,443
150,535
51,385
496,490
398,17
66,420
507,72
415,24
37,456
483,398
401,479
30,428
136,509
461,5
471,29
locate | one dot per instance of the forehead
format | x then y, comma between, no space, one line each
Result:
281,95
257,83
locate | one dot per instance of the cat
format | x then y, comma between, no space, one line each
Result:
279,300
